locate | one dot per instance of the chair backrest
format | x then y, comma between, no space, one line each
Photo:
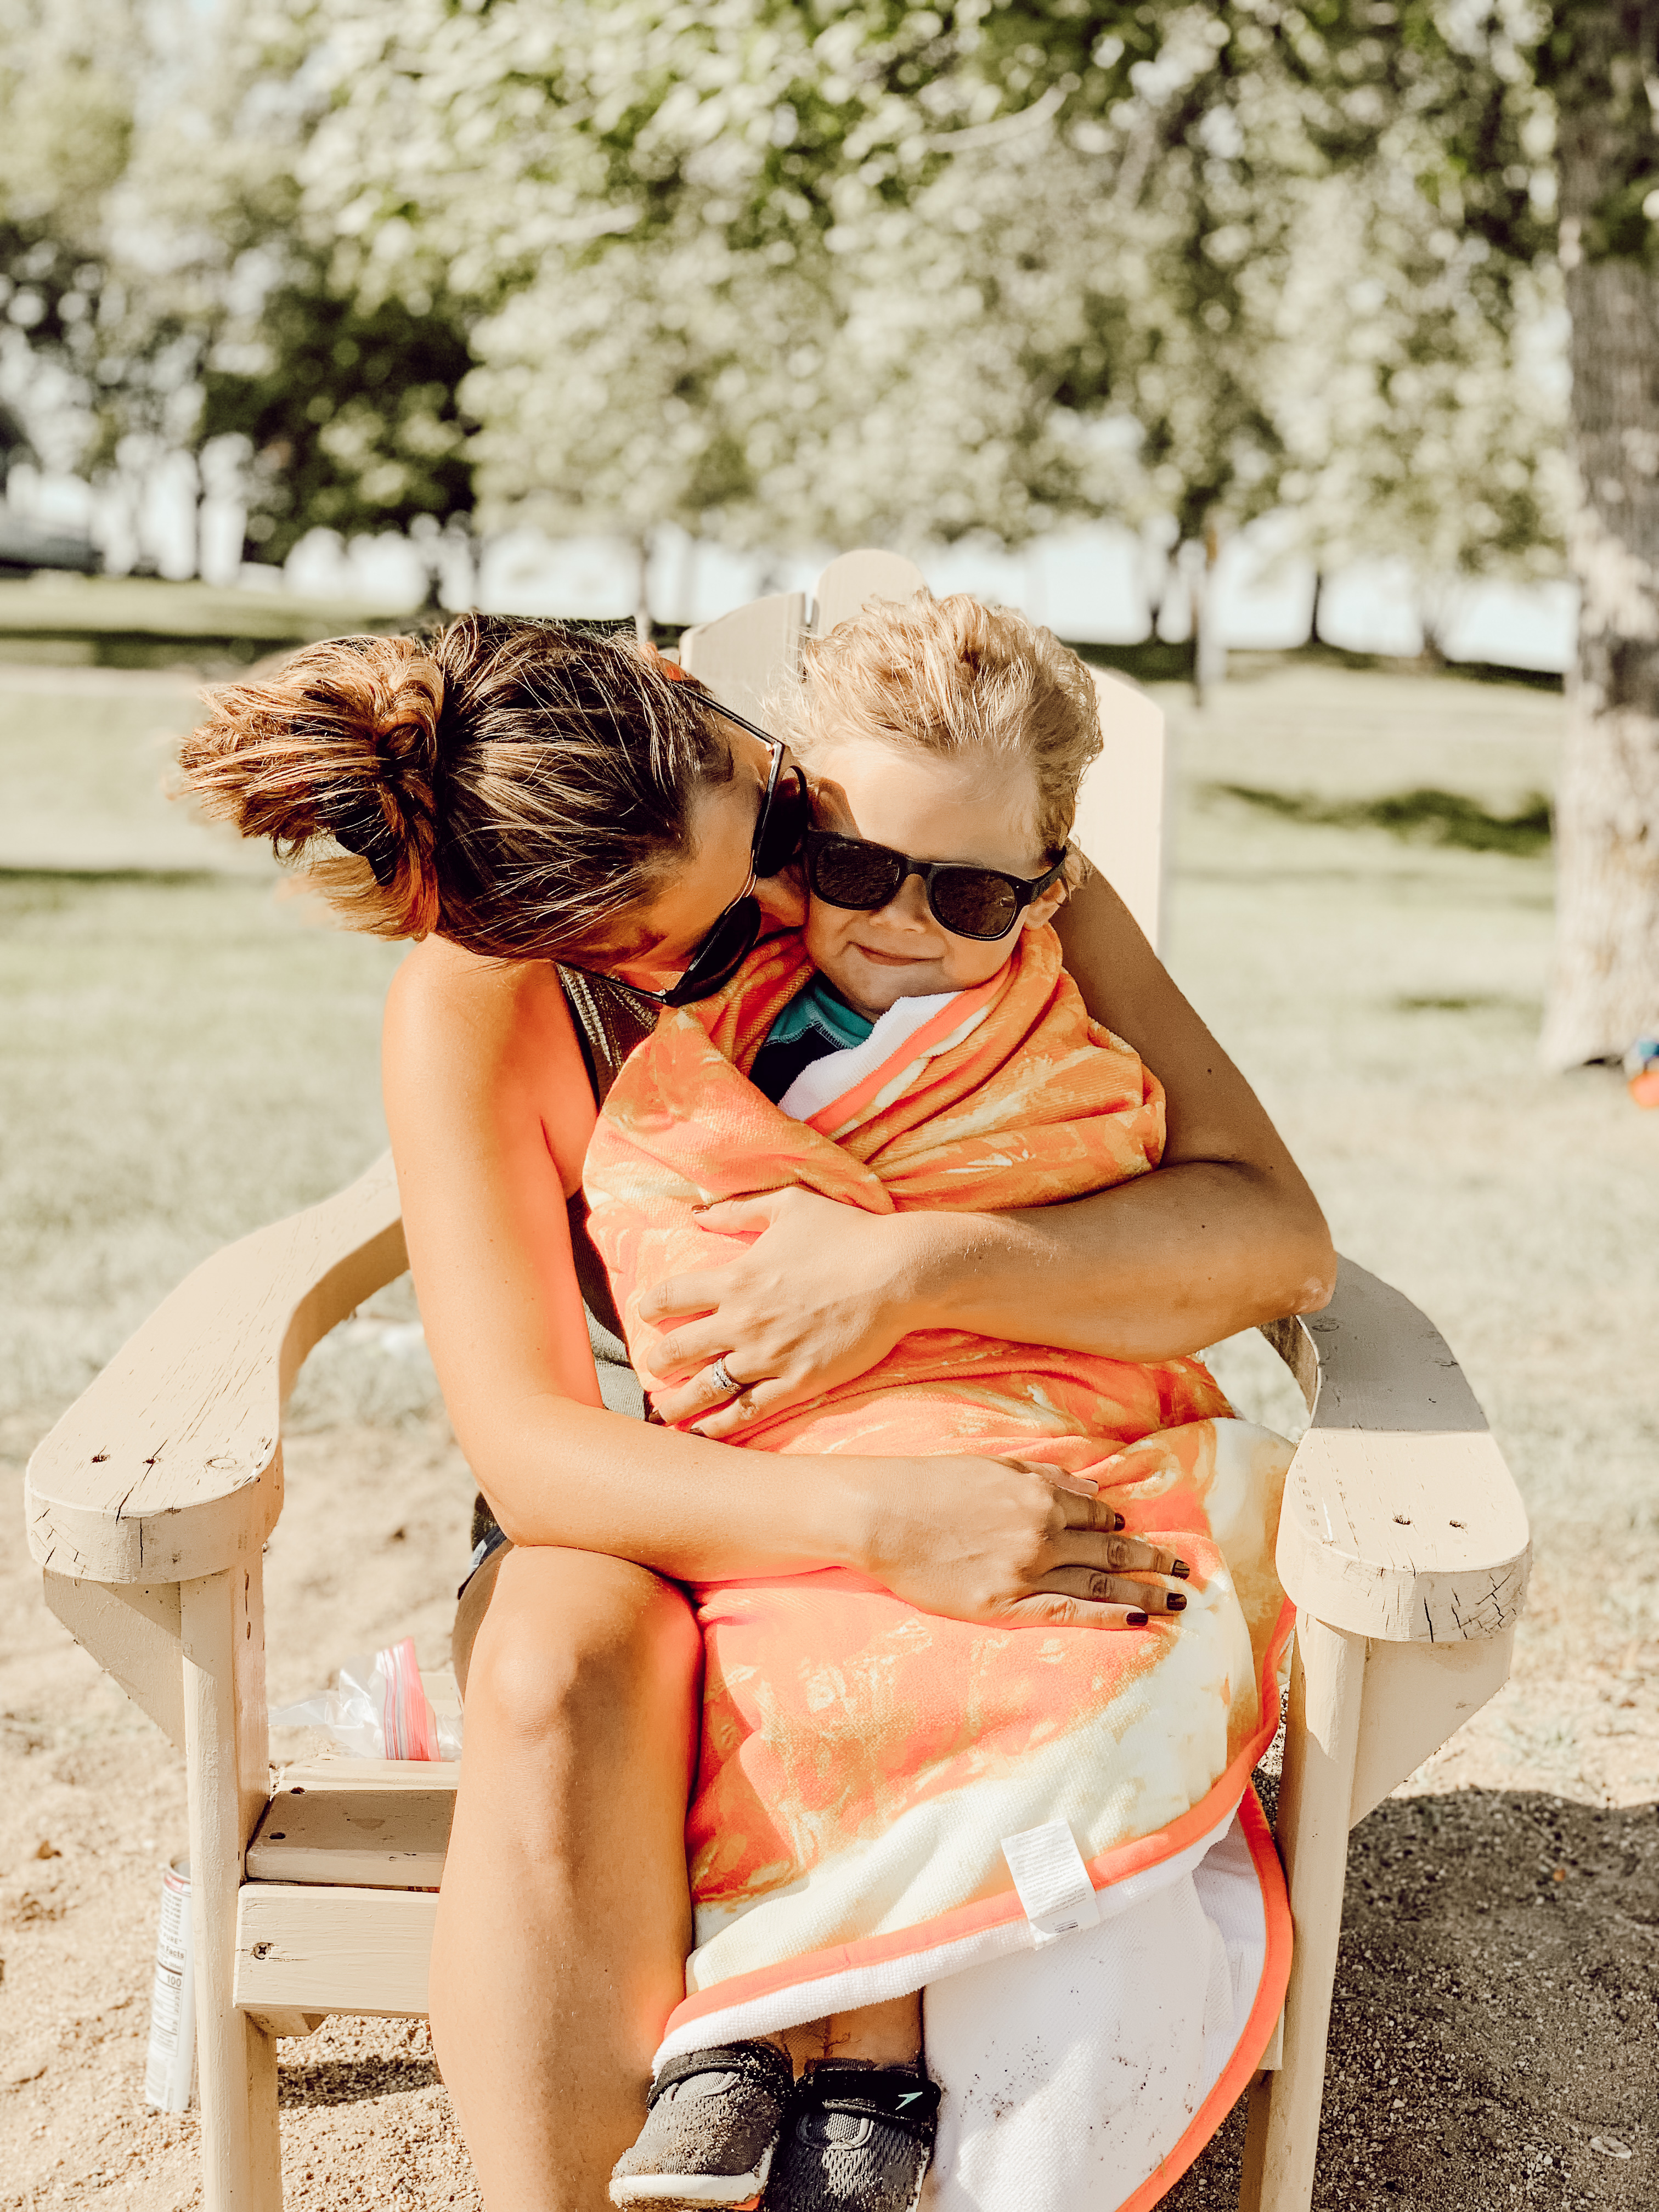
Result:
1121,812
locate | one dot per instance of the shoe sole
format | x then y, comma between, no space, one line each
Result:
694,2192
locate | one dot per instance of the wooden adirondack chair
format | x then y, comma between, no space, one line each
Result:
1404,1545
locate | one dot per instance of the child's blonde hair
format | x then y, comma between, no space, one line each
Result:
953,676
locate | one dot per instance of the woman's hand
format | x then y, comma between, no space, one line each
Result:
824,1292
1007,1542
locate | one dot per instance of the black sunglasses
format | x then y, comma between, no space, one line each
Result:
786,807
982,903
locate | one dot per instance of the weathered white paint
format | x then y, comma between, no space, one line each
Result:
744,653
1122,806
131,1629
222,1641
316,1950
374,1838
1321,1739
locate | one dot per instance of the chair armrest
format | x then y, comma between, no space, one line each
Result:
169,1465
1401,1520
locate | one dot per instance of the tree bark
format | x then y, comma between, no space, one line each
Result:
643,604
1604,991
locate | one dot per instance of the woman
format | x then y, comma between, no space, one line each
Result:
514,793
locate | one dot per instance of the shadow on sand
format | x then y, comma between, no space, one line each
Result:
1493,2035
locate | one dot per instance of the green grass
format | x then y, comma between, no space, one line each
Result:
86,759
183,1061
148,605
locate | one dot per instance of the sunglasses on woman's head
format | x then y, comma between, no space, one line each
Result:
982,903
785,808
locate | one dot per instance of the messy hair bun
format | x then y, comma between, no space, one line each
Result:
509,784
342,743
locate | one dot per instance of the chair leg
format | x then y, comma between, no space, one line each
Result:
1321,1739
226,1751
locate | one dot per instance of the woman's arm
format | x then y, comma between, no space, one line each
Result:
1225,1234
489,1108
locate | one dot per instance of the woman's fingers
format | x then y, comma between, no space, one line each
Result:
732,1419
701,1289
679,1295
692,1350
704,1390
1049,1609
1093,1548
1070,1485
739,1216
1091,1516
1101,1587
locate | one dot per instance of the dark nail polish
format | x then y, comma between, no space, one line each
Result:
1175,1600
1118,1523
1138,1620
1181,1569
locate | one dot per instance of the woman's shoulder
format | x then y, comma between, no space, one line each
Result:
483,1032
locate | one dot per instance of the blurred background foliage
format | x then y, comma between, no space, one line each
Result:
848,272
788,273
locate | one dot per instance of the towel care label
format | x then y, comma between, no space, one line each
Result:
1053,1881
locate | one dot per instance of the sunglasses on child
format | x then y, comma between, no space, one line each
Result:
982,903
785,808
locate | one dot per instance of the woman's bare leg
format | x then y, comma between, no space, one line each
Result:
564,1920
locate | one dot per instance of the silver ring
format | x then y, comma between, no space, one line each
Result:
725,1381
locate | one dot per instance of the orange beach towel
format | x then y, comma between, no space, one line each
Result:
861,1762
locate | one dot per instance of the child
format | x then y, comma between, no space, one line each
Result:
923,1027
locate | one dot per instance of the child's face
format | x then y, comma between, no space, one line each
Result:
975,809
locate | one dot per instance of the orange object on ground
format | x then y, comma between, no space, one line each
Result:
862,1762
1642,1071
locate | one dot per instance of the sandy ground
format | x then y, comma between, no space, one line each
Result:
185,1057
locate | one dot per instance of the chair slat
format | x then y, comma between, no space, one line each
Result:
313,1950
1121,808
853,579
744,653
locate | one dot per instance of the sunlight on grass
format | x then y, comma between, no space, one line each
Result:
184,1059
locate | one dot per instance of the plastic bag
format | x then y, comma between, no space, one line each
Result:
378,1708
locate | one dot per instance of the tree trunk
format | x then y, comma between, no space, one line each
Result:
1210,646
643,604
1604,991
1198,557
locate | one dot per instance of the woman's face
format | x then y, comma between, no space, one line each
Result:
651,945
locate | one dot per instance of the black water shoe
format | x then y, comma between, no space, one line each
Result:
858,2139
712,2126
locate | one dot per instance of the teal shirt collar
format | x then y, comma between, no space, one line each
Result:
820,1006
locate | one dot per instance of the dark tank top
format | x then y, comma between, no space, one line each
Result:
611,1020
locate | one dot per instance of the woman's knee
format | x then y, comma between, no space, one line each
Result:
575,1646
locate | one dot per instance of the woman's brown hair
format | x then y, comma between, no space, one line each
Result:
511,786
